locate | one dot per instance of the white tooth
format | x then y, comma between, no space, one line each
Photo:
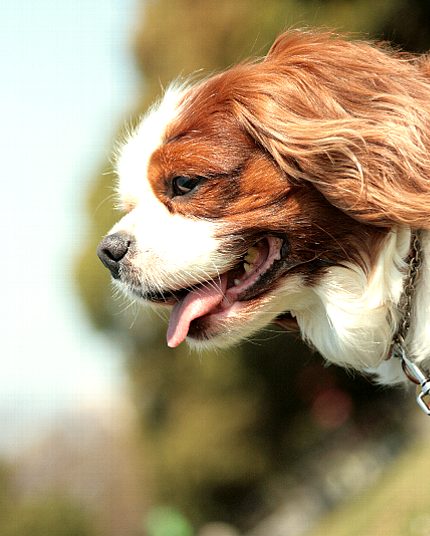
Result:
236,281
251,255
247,267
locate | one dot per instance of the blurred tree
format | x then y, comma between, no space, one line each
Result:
215,429
408,25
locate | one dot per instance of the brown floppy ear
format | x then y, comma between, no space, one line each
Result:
349,117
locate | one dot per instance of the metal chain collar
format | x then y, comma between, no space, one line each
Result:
398,347
405,302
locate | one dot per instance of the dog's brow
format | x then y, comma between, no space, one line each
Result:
173,138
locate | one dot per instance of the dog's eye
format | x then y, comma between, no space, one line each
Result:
184,185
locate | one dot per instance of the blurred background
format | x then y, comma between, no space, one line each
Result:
104,431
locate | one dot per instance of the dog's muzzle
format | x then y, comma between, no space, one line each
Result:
112,250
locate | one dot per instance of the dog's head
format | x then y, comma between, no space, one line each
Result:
279,190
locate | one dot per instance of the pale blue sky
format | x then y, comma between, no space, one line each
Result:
67,81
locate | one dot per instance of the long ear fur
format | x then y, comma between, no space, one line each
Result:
352,118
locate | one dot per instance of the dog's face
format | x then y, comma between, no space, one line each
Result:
245,203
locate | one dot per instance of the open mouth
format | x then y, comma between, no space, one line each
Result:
222,296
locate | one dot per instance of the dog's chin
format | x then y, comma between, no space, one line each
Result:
222,311
228,327
214,332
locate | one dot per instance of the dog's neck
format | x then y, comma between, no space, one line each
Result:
412,313
353,318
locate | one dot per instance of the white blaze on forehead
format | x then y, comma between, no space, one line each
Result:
135,153
172,251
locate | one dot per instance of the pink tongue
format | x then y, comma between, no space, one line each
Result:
196,303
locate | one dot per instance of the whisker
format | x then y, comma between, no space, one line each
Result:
136,314
160,315
103,201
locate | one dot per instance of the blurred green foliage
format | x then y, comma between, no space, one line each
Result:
164,521
217,428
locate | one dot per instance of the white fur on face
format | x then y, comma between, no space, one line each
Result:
136,151
171,251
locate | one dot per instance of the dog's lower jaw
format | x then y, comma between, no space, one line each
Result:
348,316
343,316
245,318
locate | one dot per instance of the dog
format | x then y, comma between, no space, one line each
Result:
291,189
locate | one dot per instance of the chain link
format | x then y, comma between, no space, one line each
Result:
405,302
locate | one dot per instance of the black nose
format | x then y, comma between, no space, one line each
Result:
112,250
